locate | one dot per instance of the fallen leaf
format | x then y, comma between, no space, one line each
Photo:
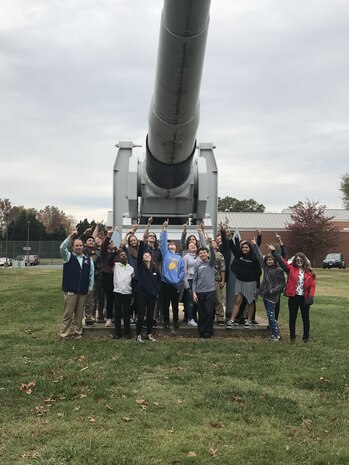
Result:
156,403
40,410
60,414
191,454
179,401
27,388
92,419
217,424
81,359
126,419
171,430
83,369
50,401
109,408
324,380
238,400
213,452
76,409
141,402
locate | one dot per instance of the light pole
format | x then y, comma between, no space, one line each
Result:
28,223
7,260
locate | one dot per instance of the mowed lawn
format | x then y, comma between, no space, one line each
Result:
178,401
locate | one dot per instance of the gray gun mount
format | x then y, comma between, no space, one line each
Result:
177,178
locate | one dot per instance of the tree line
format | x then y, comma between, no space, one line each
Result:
49,223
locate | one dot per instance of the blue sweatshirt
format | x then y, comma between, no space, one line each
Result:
172,264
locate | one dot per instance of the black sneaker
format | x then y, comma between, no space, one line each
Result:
155,324
90,323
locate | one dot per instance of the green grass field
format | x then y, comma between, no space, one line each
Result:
178,401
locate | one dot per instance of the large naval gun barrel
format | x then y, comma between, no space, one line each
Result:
177,178
174,112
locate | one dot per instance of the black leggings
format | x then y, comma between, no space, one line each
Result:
108,286
145,306
294,303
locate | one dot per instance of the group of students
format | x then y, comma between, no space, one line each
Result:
141,279
150,277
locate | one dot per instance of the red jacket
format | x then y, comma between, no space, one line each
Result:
293,273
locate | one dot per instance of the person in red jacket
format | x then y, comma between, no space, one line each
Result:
300,290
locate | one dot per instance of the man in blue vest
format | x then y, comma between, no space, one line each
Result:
78,280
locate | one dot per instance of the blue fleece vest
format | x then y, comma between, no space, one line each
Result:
76,278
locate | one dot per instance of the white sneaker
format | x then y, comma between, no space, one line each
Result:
192,323
139,338
108,323
151,338
248,324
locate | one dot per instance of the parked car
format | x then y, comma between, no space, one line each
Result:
33,259
5,261
334,260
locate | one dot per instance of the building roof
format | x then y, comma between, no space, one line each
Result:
248,221
273,221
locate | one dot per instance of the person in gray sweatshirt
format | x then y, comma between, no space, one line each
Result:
204,290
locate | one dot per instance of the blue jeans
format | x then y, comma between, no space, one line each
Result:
273,325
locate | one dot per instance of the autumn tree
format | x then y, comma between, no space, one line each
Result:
55,221
312,232
231,204
345,189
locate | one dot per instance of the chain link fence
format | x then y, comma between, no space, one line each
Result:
47,251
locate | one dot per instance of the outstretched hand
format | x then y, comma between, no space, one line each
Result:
74,233
271,247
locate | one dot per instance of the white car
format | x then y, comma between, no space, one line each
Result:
3,261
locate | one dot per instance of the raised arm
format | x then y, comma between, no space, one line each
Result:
184,236
201,234
282,245
257,252
258,237
140,252
281,261
65,253
146,231
224,237
163,239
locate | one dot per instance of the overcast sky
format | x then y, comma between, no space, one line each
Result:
77,76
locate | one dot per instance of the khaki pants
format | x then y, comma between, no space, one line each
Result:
219,308
88,307
73,314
